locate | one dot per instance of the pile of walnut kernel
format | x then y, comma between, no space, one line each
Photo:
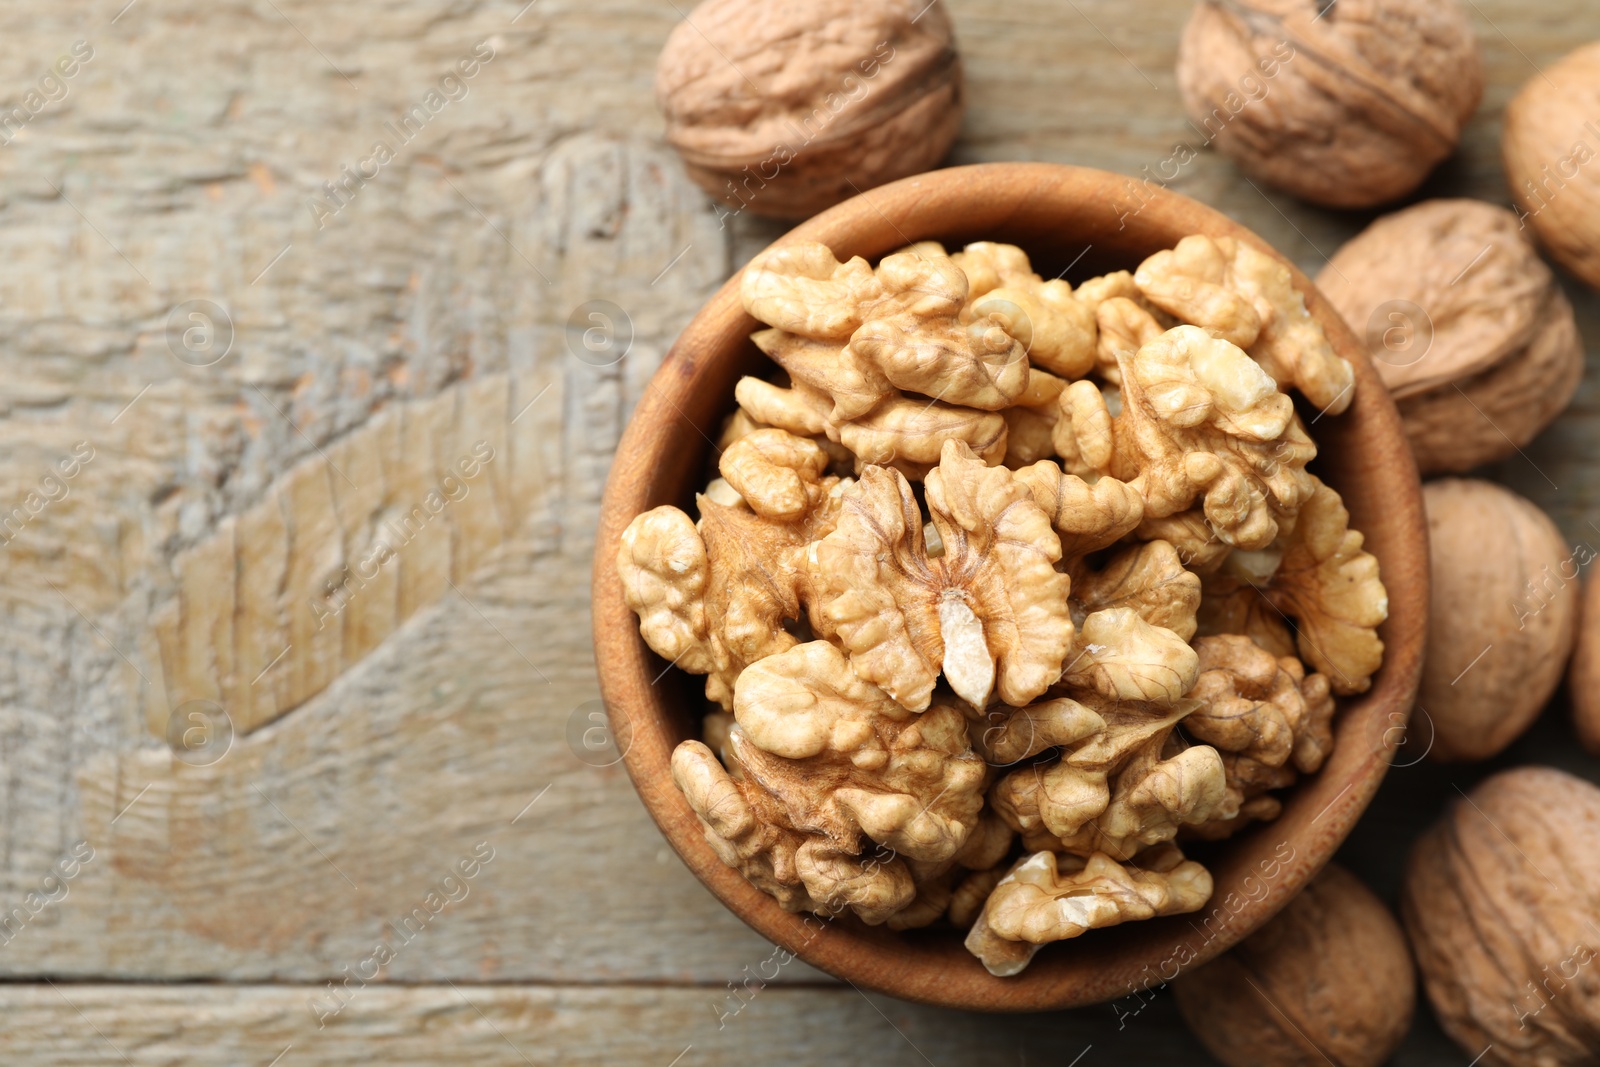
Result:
1007,588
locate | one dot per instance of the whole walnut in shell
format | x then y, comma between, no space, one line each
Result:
1584,679
787,108
1501,899
1328,980
1502,616
1346,105
1550,144
1466,326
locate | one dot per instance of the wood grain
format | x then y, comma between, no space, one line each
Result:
179,167
70,1025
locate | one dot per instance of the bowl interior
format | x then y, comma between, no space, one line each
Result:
1081,222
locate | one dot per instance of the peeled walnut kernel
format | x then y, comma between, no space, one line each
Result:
1202,422
901,432
788,109
1502,616
1550,144
1122,656
1251,704
1346,105
989,612
1056,330
778,474
1267,717
1248,298
1320,576
1327,981
1087,516
1150,579
712,595
1131,785
747,827
662,563
902,327
1465,324
1500,899
1048,898
845,760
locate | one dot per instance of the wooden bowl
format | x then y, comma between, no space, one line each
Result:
1085,222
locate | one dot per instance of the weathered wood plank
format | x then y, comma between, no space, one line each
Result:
194,1026
84,1025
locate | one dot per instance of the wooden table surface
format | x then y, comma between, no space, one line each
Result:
401,761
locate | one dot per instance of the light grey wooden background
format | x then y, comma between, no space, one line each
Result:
351,365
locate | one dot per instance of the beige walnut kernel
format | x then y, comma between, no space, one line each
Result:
748,828
730,815
920,344
1320,576
662,564
901,325
1122,656
803,289
1049,898
1201,421
901,432
990,612
1149,578
1132,784
1262,707
1087,516
846,760
778,474
1124,327
1082,433
829,368
1056,330
1249,299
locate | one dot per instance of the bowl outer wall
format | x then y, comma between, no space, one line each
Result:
1362,453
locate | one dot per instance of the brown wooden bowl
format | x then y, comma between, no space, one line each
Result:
1087,221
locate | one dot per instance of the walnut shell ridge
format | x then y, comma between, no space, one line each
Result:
1501,898
1366,96
1328,980
788,107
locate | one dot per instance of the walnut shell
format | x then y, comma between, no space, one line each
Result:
787,108
1500,900
1550,144
1328,980
1502,616
1583,681
1465,324
1366,95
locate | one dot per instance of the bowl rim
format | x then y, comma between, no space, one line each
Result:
1254,877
